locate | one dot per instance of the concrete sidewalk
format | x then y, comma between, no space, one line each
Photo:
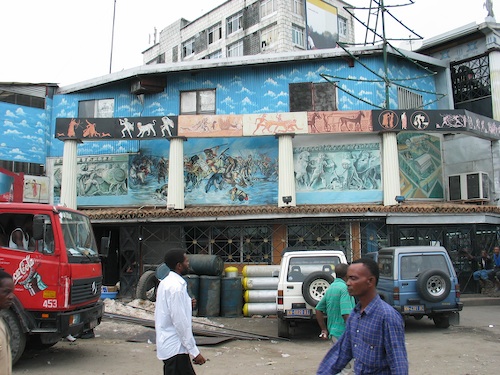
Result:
480,299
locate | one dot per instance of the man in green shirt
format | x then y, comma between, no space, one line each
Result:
337,304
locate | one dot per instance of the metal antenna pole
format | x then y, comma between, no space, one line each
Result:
112,37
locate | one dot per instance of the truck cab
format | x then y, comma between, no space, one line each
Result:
56,271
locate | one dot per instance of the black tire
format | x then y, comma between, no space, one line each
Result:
441,321
147,286
315,286
283,328
433,285
17,336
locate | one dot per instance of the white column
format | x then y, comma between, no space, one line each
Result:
494,57
390,168
68,179
286,180
175,197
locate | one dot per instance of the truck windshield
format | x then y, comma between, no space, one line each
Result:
78,237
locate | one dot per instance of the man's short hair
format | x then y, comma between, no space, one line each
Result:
371,265
5,275
341,270
174,256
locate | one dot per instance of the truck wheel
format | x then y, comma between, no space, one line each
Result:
35,342
17,336
441,321
433,285
147,285
283,328
315,286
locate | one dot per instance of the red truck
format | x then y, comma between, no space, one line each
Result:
51,253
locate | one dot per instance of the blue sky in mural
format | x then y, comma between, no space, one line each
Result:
23,133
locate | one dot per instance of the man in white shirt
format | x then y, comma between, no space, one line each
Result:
174,335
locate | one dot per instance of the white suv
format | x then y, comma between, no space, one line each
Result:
303,279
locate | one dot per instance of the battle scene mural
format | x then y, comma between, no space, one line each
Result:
338,173
231,171
420,165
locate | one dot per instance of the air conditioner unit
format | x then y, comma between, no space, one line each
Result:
469,186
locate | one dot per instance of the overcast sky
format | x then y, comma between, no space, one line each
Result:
68,41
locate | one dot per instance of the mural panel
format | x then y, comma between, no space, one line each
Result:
339,121
211,126
326,174
230,171
420,165
275,123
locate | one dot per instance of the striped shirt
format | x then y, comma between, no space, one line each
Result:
374,338
335,303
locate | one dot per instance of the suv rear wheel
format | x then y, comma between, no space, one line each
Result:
433,285
315,286
441,321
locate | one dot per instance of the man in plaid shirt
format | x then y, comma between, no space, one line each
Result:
374,334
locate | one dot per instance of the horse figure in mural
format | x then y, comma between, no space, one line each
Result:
351,124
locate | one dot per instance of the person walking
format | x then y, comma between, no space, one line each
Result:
174,335
6,299
336,304
374,335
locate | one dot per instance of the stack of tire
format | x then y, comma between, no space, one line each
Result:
260,285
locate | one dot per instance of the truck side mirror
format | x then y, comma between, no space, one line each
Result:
104,251
38,227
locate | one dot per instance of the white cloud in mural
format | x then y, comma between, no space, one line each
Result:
20,157
294,72
281,76
3,144
247,101
24,124
312,76
363,92
271,82
159,111
9,113
264,110
187,80
124,108
107,147
271,94
121,149
12,132
281,104
154,104
39,125
221,88
16,151
62,103
123,96
42,116
228,101
244,90
282,93
9,124
322,69
20,112
208,83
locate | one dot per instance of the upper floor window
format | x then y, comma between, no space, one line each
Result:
234,23
214,55
214,33
308,96
298,7
235,49
101,108
268,36
471,79
342,26
408,99
298,35
21,99
188,48
198,102
267,7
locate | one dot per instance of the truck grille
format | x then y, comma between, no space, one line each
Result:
85,289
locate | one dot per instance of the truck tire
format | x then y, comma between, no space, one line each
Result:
147,286
283,328
433,285
17,336
315,286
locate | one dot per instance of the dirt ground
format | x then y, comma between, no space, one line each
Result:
471,348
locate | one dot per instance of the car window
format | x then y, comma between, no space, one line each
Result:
413,265
300,267
385,266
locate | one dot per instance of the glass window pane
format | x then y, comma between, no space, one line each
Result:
188,102
86,108
207,101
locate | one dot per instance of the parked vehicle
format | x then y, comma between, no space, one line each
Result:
304,277
57,277
420,281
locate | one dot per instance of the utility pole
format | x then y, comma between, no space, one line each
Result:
112,37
